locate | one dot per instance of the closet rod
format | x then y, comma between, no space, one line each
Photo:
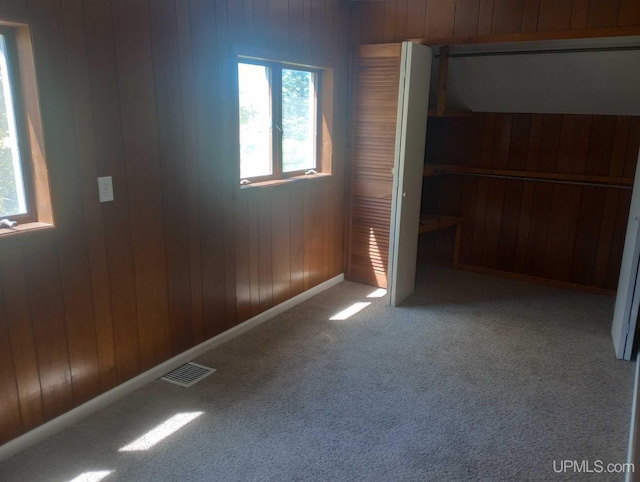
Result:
535,179
544,51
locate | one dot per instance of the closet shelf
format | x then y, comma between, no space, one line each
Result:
438,169
429,222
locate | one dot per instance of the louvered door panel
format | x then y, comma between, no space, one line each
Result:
373,154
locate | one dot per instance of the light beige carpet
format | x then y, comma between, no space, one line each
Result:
475,378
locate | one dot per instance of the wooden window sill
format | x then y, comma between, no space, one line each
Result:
25,233
288,180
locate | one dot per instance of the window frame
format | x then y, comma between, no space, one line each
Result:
277,134
41,222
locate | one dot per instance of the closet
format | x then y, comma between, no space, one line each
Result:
526,174
535,160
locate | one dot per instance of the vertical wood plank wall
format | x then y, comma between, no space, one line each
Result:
562,232
138,90
397,20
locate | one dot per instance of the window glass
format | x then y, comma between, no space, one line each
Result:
255,120
298,120
12,190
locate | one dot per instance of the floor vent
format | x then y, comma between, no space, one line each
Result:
188,374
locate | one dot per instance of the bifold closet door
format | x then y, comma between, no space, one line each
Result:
413,108
374,128
625,315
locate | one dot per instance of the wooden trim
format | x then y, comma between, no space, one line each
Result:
31,106
532,36
443,72
606,181
535,279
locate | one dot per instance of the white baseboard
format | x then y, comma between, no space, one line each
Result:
44,431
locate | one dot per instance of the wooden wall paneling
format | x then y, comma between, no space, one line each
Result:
228,157
580,14
373,20
316,217
507,16
297,238
260,22
74,276
588,236
493,221
187,95
340,137
466,19
49,329
470,194
486,156
10,419
563,220
633,145
281,245
210,172
296,28
502,141
479,221
141,151
243,277
508,231
265,251
306,39
619,150
254,256
439,18
166,73
247,17
400,30
574,144
530,15
415,19
235,22
629,13
607,232
517,158
105,99
603,13
278,24
485,17
390,21
21,332
94,227
601,144
555,15
617,242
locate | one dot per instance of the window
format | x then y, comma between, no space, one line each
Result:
279,119
13,191
25,201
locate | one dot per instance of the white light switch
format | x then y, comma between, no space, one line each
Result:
105,189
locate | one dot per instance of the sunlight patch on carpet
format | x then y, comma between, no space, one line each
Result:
161,432
350,311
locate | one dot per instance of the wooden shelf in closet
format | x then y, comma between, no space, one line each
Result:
436,169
